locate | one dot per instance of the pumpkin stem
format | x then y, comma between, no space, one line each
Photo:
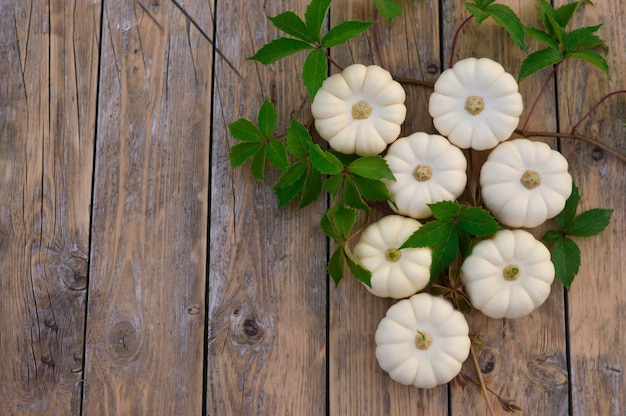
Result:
393,255
474,105
423,340
530,179
422,173
361,110
511,272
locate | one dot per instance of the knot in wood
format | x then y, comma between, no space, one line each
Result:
123,342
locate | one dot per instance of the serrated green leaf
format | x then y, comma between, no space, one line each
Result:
542,37
329,228
291,174
268,116
537,61
565,217
565,255
323,161
352,196
312,187
551,236
333,183
279,48
465,242
314,71
336,264
241,152
445,210
444,253
298,139
372,189
593,58
566,11
429,234
479,14
582,38
590,223
478,222
551,20
343,32
288,193
277,154
245,131
314,17
258,164
483,3
292,24
388,9
372,167
344,219
505,17
344,158
358,271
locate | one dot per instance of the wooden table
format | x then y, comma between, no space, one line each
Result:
141,274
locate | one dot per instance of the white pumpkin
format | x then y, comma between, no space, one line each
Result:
395,273
359,110
427,169
422,341
524,183
476,104
509,275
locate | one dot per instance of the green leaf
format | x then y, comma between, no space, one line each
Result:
465,242
277,154
268,116
344,158
479,14
372,189
542,37
507,19
312,187
336,264
565,255
593,58
358,271
582,38
537,61
298,139
279,48
241,152
388,9
444,253
478,222
288,193
344,31
565,217
258,164
245,131
333,184
329,227
314,17
291,174
314,71
352,196
429,234
344,219
566,12
292,24
445,210
551,236
590,223
371,167
323,161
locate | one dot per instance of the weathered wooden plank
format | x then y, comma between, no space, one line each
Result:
145,320
267,302
523,360
597,318
48,61
408,48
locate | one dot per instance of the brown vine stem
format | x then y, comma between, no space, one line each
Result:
456,36
608,149
596,105
483,386
332,61
543,89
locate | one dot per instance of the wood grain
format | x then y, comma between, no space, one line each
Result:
268,288
49,66
597,318
409,48
145,322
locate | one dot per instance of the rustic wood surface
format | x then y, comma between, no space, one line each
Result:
144,275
